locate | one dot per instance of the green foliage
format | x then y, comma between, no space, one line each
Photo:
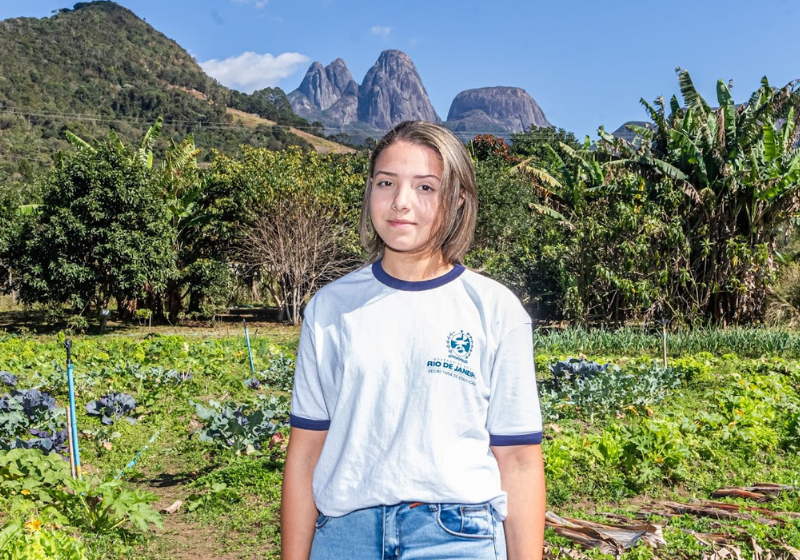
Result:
733,173
268,103
102,507
750,342
101,232
680,223
31,474
279,374
609,392
217,497
533,143
243,428
732,421
35,543
512,245
75,63
30,419
485,147
291,218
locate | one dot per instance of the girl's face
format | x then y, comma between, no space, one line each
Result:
405,198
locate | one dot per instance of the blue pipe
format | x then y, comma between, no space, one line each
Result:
76,460
249,352
133,461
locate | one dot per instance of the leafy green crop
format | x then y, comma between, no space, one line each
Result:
30,418
36,543
30,473
111,407
279,374
588,389
101,507
243,427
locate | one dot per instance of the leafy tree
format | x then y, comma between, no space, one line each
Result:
739,170
261,211
101,232
486,147
682,222
516,246
533,143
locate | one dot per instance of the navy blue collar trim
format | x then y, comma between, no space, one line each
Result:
409,286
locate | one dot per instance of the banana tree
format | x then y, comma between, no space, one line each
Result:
739,169
570,189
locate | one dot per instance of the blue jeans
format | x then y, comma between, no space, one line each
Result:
411,532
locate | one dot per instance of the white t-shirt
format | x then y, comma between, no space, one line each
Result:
414,381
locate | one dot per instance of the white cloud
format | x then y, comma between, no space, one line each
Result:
250,71
382,30
257,3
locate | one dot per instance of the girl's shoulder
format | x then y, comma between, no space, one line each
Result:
346,291
494,298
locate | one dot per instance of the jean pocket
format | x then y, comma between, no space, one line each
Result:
321,521
472,521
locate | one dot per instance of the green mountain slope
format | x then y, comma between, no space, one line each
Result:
99,66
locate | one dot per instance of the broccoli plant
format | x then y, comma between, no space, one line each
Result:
111,407
242,427
30,419
7,379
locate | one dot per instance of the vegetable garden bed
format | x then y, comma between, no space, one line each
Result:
628,443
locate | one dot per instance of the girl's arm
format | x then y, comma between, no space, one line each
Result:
298,511
522,478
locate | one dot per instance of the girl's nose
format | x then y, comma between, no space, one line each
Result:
402,197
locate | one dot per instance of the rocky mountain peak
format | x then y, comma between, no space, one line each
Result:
494,110
392,92
323,86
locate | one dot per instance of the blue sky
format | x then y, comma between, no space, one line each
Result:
586,63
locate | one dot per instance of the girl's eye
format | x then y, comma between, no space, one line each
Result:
426,188
384,183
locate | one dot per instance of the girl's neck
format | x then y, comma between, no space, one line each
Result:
413,267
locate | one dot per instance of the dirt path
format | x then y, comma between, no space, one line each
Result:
181,538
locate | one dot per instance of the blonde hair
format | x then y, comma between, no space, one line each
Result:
458,209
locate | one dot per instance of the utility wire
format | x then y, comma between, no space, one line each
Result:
200,123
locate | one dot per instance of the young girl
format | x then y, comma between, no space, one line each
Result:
415,415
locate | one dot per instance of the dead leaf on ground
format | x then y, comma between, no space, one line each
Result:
610,539
760,491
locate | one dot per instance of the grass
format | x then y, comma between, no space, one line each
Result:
747,342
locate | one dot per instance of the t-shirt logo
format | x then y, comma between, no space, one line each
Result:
459,345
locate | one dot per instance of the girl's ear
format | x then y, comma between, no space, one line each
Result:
461,198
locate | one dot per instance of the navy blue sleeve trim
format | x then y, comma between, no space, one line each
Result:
306,424
520,439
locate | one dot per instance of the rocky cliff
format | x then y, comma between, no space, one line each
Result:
494,110
392,92
328,95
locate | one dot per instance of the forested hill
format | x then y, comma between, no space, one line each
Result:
99,66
